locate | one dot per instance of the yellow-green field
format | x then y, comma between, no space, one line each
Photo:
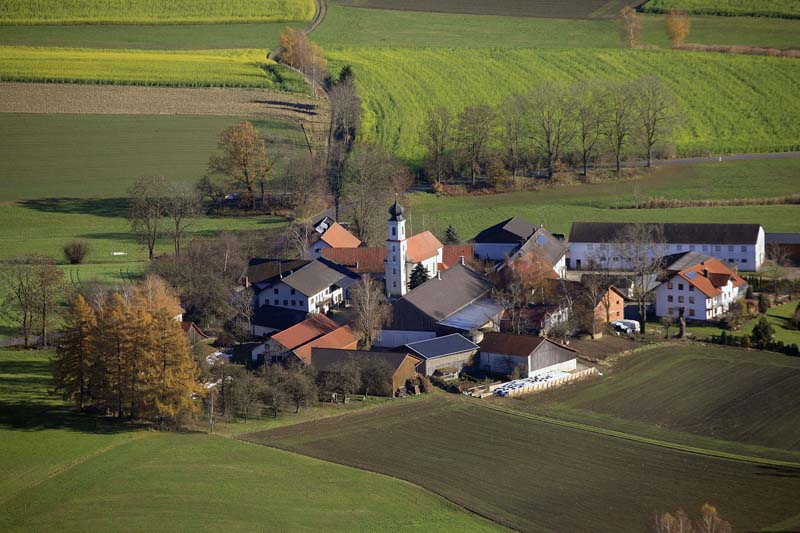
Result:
730,103
153,11
197,68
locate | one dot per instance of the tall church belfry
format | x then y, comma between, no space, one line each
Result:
396,249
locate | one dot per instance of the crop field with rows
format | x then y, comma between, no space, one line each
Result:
153,11
728,102
209,68
753,8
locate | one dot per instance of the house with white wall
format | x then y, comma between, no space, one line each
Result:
702,291
331,235
596,245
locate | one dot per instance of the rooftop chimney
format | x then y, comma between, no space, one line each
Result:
705,272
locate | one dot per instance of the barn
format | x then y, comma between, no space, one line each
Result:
448,354
501,353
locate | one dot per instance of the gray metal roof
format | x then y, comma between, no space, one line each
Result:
543,242
512,230
442,346
319,275
474,315
782,238
686,260
440,298
674,233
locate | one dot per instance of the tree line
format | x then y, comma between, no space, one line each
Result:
554,124
125,354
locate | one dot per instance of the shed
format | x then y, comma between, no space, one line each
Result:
502,352
402,364
455,351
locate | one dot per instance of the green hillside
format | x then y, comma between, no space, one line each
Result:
753,8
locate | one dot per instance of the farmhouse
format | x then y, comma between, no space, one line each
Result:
340,338
703,291
401,364
456,300
311,286
330,235
596,244
501,353
499,241
282,344
447,355
269,319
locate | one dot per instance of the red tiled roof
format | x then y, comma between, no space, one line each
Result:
307,330
709,276
342,338
423,246
506,343
369,260
452,254
338,237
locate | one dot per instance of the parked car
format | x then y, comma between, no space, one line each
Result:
626,326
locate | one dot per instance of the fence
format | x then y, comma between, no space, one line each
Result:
542,385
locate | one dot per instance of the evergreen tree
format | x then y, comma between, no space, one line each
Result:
763,303
451,235
73,364
418,276
762,333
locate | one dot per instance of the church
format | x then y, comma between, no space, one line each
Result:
404,254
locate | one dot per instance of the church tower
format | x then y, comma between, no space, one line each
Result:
396,248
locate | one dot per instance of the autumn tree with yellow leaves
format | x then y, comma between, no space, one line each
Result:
128,356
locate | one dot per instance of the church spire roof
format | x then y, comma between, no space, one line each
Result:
396,211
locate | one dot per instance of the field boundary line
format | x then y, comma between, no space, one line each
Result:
138,435
641,439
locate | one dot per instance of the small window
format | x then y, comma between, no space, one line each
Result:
670,298
292,292
394,232
705,247
669,310
691,299
294,302
744,260
275,291
276,301
286,302
669,285
691,288
680,286
394,284
680,299
680,247
730,248
717,248
744,248
691,312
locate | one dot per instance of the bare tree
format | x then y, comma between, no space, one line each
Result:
244,158
19,295
513,131
209,188
148,201
300,52
437,137
370,309
631,26
182,205
641,248
346,110
595,294
475,128
678,26
372,178
620,120
299,386
303,186
552,122
654,112
590,116
300,234
49,288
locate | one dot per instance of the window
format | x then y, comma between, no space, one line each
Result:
292,291
691,312
669,310
691,299
717,248
277,302
680,299
294,302
394,271
275,291
705,247
286,302
670,298
730,248
680,247
744,248
669,285
394,232
691,288
394,284
744,260
680,286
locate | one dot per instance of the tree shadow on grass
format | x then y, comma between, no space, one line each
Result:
103,207
778,471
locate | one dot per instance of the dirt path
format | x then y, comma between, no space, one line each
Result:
319,17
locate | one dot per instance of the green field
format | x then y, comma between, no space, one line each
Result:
153,11
197,68
148,37
777,316
356,27
520,472
67,472
756,8
728,394
518,8
729,103
558,207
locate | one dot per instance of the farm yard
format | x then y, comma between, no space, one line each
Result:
721,97
153,11
60,470
520,472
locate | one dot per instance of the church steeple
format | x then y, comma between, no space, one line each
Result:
396,248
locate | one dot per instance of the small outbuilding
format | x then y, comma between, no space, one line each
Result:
402,364
501,353
448,354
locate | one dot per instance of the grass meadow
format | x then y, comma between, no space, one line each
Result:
153,11
778,316
357,27
728,102
60,470
574,9
755,8
198,68
716,394
520,471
